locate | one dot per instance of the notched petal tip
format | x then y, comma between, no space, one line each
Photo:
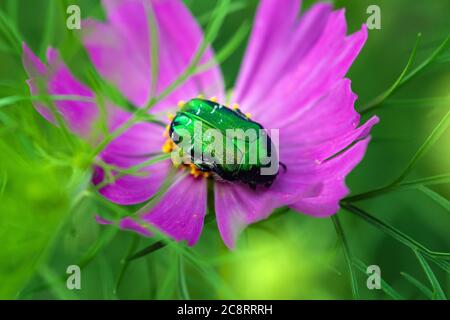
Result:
125,224
32,64
132,225
335,188
100,220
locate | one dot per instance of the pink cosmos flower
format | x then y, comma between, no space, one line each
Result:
291,79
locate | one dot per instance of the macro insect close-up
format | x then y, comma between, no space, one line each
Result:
224,149
237,148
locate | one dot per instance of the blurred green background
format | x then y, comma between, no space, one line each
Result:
47,206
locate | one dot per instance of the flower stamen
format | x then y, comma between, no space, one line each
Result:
170,146
194,171
181,103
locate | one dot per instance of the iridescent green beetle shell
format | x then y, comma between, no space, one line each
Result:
246,151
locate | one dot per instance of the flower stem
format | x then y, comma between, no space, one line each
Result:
424,148
394,233
404,76
347,255
218,14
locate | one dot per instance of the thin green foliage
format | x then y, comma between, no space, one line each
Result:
425,103
445,203
12,36
147,250
56,284
211,32
210,218
381,98
105,238
438,292
439,258
177,273
13,100
124,263
3,183
57,116
395,233
406,75
113,173
182,285
198,262
437,132
77,59
235,6
225,52
425,147
347,255
12,10
419,285
412,184
388,289
154,52
49,28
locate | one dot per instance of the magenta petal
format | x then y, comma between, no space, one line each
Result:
139,143
131,189
117,61
315,54
238,206
322,128
315,133
101,220
126,224
56,79
322,150
328,149
132,225
334,110
180,42
33,66
181,211
270,35
120,55
327,202
326,178
317,76
120,49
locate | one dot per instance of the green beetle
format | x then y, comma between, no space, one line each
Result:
225,142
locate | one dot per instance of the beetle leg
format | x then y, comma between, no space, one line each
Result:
268,184
252,185
284,166
239,111
203,167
